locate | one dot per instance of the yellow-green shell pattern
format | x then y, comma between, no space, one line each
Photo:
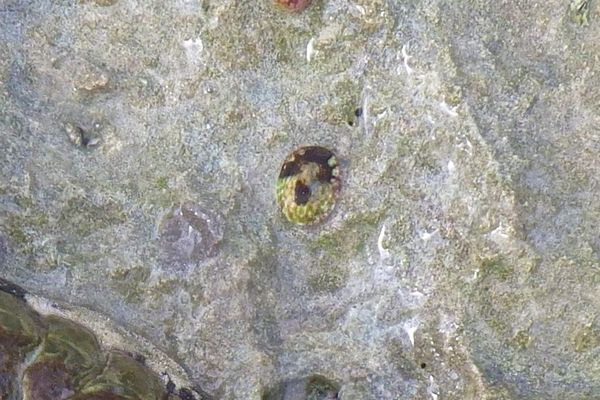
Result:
308,185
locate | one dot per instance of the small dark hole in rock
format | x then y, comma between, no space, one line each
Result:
170,386
321,388
11,288
423,365
186,394
358,112
140,358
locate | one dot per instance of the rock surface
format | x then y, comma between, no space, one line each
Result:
53,358
462,259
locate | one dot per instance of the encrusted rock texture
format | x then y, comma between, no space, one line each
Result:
53,358
140,144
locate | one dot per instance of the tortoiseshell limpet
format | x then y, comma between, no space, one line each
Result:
308,185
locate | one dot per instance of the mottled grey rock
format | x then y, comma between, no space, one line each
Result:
462,257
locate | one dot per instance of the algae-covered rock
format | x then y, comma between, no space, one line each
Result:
21,330
140,152
51,357
70,356
126,377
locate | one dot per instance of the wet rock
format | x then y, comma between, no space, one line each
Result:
70,355
579,11
64,359
11,288
126,376
83,216
48,381
3,249
315,387
191,232
21,330
480,254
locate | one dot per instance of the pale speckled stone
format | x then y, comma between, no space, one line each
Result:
464,238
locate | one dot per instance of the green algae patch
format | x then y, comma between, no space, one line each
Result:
16,233
350,238
70,355
81,217
290,45
522,339
579,11
21,331
162,182
19,325
131,283
126,376
585,337
329,280
341,106
23,228
335,249
495,267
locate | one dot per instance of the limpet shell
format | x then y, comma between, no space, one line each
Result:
308,185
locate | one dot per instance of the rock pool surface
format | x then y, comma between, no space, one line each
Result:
140,145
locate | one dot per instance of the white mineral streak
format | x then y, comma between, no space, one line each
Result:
451,167
310,49
360,9
365,112
410,327
433,388
501,235
384,254
193,50
426,236
451,111
406,57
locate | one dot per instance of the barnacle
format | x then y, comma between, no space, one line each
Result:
308,185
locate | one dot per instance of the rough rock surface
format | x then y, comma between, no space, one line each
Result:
461,262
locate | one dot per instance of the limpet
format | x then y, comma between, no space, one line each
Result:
308,185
